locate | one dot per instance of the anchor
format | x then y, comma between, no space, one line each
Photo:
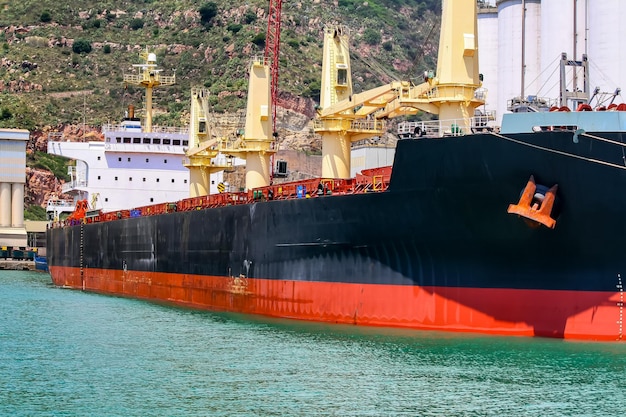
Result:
534,205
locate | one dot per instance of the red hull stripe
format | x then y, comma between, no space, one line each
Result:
583,315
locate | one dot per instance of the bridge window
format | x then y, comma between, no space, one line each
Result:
342,77
564,128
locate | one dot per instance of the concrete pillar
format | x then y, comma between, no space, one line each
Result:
12,183
17,205
5,204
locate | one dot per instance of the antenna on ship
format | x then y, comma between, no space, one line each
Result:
149,78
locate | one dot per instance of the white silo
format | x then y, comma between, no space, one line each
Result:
488,55
519,36
607,45
562,31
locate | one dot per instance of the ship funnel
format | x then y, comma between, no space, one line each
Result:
131,111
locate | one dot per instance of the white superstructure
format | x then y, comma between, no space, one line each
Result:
129,169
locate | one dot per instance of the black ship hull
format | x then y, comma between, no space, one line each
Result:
437,250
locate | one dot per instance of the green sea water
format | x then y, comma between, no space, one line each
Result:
69,353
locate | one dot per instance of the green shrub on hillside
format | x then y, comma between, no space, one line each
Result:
371,36
136,24
249,17
53,163
35,212
259,39
81,45
207,13
15,113
45,17
234,27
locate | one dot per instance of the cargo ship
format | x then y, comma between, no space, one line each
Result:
515,230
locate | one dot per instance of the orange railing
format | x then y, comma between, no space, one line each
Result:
371,180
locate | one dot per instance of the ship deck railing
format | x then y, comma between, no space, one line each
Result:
155,129
443,128
73,185
368,181
60,203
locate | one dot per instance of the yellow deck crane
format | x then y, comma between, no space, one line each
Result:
255,145
344,117
202,156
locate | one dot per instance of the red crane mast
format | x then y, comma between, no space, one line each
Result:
272,48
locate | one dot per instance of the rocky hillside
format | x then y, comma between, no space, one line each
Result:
61,64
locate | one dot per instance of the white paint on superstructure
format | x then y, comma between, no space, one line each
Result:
123,179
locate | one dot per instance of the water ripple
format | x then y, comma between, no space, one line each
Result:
68,353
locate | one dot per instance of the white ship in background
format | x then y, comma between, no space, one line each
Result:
137,164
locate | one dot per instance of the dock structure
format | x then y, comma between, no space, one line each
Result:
17,265
12,181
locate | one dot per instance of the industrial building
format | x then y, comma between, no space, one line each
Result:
12,183
521,43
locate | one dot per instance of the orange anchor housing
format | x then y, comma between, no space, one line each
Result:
536,206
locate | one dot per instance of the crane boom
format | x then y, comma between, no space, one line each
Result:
345,117
272,49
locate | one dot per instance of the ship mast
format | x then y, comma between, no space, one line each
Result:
149,78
